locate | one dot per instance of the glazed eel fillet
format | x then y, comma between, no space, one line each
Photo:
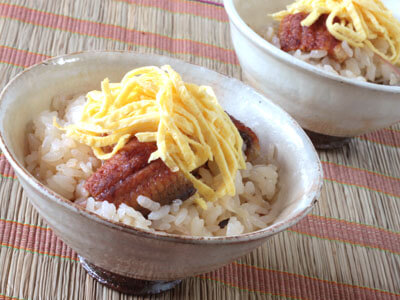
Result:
126,175
294,36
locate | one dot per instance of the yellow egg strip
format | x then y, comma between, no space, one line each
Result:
185,120
361,22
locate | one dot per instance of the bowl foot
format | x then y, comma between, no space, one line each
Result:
327,142
125,284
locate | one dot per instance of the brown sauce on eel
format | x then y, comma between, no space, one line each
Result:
128,174
294,36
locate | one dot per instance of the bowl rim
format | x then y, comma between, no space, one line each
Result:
311,196
248,32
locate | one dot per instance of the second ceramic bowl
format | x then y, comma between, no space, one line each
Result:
321,102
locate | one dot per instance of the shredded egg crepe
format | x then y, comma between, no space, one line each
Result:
360,22
185,120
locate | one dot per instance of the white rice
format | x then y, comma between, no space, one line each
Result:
64,165
55,159
362,63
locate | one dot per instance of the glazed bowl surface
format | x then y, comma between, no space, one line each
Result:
133,252
321,102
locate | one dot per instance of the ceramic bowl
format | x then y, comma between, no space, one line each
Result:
322,103
120,250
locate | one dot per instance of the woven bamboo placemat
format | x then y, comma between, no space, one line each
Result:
348,248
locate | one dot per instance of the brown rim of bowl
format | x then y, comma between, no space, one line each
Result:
313,194
249,33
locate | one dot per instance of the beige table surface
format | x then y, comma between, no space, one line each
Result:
348,248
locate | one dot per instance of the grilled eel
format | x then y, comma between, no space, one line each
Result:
293,36
125,176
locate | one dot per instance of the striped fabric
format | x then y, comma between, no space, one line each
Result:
348,248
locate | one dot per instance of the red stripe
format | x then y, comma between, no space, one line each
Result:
208,2
20,58
292,285
118,33
185,7
334,172
347,232
386,137
320,226
31,238
8,297
42,240
362,178
5,168
329,228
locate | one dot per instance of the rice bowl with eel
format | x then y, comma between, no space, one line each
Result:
111,184
129,258
354,39
332,107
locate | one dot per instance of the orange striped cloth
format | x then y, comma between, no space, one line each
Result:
348,248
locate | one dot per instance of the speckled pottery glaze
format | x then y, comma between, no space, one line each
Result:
136,253
321,102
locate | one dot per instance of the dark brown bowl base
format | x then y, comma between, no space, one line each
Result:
125,284
327,142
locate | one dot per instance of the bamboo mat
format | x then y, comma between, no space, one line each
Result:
348,248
